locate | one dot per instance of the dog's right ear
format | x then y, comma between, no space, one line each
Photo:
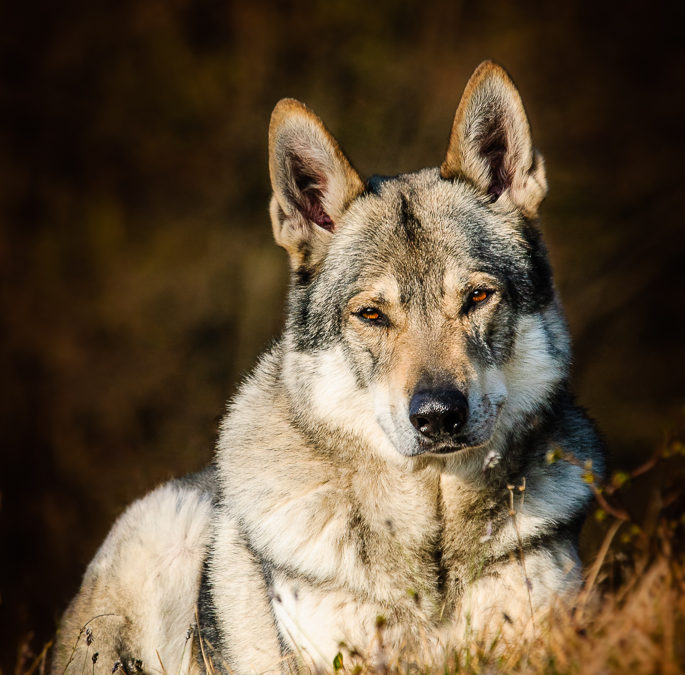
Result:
312,180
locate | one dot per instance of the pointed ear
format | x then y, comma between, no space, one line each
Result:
313,182
490,144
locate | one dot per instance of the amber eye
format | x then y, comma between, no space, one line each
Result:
479,295
372,315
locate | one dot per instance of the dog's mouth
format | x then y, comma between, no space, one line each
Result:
442,447
447,448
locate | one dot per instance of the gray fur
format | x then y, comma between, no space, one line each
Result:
327,508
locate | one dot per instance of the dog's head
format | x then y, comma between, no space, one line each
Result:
422,314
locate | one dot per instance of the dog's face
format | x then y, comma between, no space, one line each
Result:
422,311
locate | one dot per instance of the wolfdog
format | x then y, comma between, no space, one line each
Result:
386,466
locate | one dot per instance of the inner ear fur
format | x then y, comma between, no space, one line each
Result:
313,182
490,143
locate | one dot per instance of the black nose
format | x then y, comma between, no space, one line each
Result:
437,413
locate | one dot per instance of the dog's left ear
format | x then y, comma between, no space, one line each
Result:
312,180
490,145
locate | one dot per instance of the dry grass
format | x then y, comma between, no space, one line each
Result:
636,629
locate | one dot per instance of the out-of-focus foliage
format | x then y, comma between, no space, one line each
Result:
138,277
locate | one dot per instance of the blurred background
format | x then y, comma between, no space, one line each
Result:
138,276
